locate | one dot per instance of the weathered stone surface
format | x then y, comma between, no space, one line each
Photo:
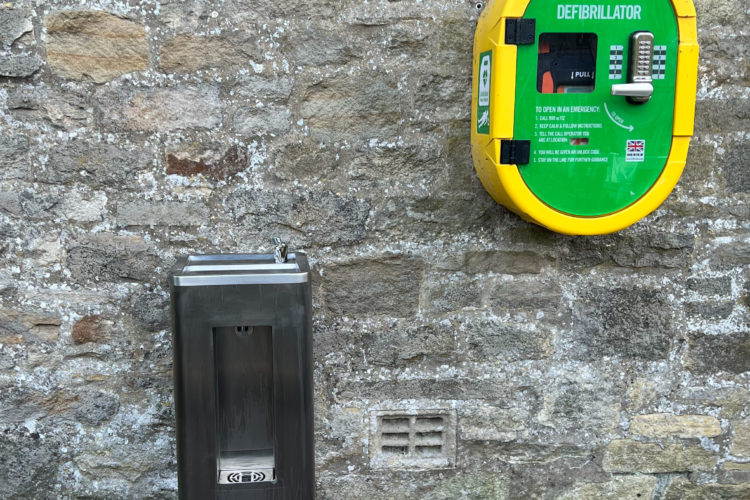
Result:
392,287
92,328
190,53
682,489
405,344
668,424
14,155
627,322
721,287
264,120
81,161
323,217
19,65
139,213
215,161
626,456
13,24
160,109
525,295
498,262
710,310
66,108
741,439
25,464
452,294
108,257
735,162
94,45
493,339
366,106
636,486
96,407
728,352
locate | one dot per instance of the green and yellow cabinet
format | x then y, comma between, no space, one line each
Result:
583,110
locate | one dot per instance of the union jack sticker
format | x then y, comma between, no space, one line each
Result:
635,150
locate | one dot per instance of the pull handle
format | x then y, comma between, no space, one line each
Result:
639,88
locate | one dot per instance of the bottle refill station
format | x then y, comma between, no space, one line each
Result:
243,376
583,110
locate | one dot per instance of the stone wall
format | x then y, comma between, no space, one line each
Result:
137,131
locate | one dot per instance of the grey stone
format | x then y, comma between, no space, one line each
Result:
97,407
19,65
139,213
735,161
25,464
108,257
710,310
446,294
159,109
323,217
13,24
683,489
727,352
492,339
404,344
721,287
497,261
634,323
387,286
14,155
260,121
669,250
366,106
627,456
525,295
81,161
65,107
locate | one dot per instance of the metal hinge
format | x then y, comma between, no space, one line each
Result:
515,152
520,31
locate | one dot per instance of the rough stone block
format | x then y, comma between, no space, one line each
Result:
735,164
741,439
14,23
96,407
191,53
727,352
216,161
491,339
60,107
366,106
721,287
160,109
501,262
668,424
262,121
92,328
108,257
94,45
25,459
626,322
14,156
388,286
627,456
683,489
325,218
525,295
404,343
88,162
168,213
635,486
19,65
710,310
444,295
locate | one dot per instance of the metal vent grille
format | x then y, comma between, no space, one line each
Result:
423,439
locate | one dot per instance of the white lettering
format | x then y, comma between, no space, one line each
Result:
599,12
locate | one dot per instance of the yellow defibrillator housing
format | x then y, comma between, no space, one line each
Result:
582,110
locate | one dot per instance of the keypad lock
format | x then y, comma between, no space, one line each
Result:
639,88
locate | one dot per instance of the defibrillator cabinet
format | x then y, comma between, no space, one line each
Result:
582,111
